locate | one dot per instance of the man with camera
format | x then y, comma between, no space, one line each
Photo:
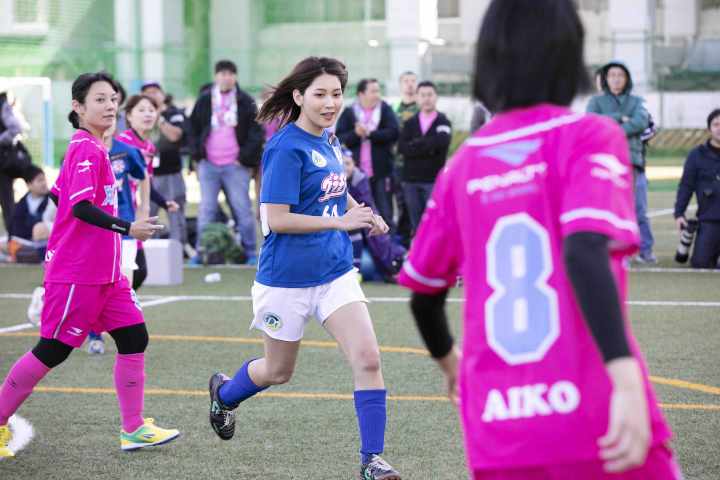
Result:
701,175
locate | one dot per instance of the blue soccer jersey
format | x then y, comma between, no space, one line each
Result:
127,164
303,171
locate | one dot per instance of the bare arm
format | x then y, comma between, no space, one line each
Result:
171,132
280,220
143,210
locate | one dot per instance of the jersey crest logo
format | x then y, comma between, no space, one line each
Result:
272,322
334,185
318,159
118,166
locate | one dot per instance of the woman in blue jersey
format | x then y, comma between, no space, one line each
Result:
305,268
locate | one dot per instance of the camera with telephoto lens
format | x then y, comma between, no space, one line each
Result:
687,235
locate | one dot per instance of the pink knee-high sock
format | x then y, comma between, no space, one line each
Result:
130,387
18,385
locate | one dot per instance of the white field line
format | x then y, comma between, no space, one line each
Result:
668,211
157,300
17,328
160,300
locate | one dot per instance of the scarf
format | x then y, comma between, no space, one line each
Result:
371,125
229,117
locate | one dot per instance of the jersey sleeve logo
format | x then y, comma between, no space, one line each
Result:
609,167
318,160
84,166
334,185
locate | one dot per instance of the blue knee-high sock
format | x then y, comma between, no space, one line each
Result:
240,388
371,409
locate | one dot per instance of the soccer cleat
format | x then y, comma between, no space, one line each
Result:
34,311
5,436
378,469
147,435
222,418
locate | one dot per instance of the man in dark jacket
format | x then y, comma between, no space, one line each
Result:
424,144
701,176
369,128
227,142
618,103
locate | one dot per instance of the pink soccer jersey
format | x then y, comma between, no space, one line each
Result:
146,147
77,251
534,386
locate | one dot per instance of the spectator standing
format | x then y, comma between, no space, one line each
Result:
10,130
424,144
617,102
167,178
404,109
407,106
701,176
369,128
227,142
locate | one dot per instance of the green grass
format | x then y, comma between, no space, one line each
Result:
284,438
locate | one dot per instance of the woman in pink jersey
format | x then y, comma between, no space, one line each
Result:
536,213
84,288
141,115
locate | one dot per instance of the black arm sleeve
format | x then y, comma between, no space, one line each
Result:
157,197
431,320
53,197
89,213
588,266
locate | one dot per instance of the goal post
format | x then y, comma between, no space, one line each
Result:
34,109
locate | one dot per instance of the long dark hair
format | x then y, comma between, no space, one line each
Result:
281,104
529,52
81,87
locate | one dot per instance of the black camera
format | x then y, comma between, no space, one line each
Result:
687,235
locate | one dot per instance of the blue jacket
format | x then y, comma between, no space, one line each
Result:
701,176
623,105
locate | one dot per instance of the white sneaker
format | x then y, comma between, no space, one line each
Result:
96,347
34,311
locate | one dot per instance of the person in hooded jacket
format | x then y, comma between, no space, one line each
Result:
617,102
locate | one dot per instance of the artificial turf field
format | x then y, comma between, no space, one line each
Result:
307,429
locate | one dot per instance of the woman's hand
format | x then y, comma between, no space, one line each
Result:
379,226
357,218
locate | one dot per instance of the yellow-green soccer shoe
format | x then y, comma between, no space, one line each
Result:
5,436
148,435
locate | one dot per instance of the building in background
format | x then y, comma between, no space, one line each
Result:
668,44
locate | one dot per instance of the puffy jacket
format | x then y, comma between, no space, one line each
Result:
623,105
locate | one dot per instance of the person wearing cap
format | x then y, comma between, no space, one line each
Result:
227,143
169,138
617,102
